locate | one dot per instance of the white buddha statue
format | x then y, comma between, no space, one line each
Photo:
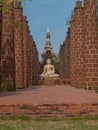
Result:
49,70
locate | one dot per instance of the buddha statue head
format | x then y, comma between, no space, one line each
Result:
48,61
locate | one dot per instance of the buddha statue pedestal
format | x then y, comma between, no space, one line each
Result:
48,81
49,77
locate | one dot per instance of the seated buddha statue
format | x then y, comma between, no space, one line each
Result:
49,70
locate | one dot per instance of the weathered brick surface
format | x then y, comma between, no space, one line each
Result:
72,51
17,49
83,46
65,57
0,36
25,50
77,46
64,66
7,47
50,110
91,45
35,63
31,62
62,58
52,101
18,41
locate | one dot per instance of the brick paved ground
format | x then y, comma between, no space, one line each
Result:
49,95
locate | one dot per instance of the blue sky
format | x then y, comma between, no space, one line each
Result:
48,13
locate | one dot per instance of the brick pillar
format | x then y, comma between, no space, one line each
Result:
31,49
62,61
25,45
37,65
7,47
79,45
18,40
35,62
28,56
91,46
67,54
0,36
73,50
31,60
63,57
97,18
64,65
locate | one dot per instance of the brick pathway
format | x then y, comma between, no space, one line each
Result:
49,95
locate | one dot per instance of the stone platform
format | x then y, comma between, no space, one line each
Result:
57,101
50,110
49,81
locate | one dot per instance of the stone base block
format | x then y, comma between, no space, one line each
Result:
49,81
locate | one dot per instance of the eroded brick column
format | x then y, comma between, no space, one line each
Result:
25,48
91,46
18,40
64,65
62,59
7,47
79,45
73,51
35,62
0,36
29,56
31,60
67,55
30,66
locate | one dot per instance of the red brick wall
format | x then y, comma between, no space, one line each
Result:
67,54
7,47
28,34
18,41
31,60
0,36
64,67
91,46
62,61
83,46
49,111
25,48
72,50
30,72
30,56
77,43
35,62
19,55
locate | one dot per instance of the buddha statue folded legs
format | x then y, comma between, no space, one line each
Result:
49,70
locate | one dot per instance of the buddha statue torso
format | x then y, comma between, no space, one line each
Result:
49,70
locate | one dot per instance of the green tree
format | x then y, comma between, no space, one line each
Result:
7,3
55,62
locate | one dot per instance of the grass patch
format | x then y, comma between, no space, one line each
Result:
26,123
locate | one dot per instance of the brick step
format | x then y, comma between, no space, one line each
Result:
50,110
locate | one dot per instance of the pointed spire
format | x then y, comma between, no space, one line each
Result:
47,29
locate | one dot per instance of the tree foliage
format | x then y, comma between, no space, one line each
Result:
97,3
7,3
55,62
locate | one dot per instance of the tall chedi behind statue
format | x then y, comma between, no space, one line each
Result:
48,49
48,69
